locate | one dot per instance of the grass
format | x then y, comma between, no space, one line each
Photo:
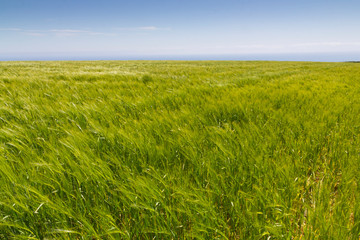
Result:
179,150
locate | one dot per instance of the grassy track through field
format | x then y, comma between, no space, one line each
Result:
179,150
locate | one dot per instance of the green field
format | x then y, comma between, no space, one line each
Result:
179,150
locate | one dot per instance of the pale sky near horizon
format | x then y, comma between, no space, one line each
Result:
159,27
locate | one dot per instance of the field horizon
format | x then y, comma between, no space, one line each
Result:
99,56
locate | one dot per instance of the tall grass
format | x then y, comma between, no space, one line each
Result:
174,150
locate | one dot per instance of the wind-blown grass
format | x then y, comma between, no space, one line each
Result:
174,150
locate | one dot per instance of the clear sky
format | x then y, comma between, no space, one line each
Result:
178,27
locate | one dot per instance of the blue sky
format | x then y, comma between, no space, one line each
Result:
177,27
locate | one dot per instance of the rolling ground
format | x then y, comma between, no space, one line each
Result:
176,149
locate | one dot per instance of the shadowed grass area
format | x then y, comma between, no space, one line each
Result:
176,149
